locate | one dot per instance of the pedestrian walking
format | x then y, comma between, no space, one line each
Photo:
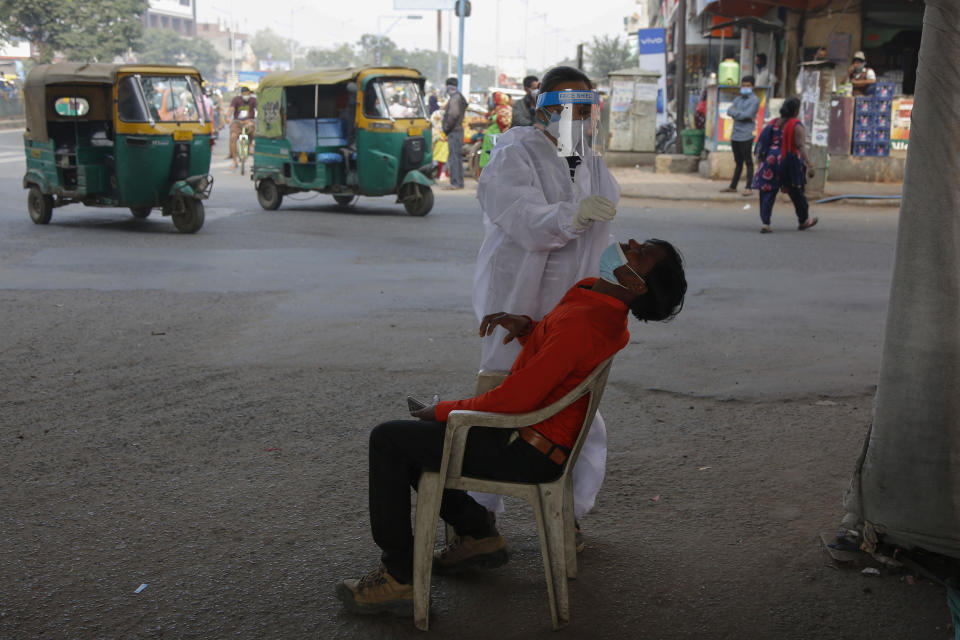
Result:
441,149
453,128
433,103
744,112
784,165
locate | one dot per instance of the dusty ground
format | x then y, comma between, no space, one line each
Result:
210,440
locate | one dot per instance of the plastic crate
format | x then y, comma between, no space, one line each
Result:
881,134
863,106
880,149
862,148
882,105
865,134
863,121
881,121
884,90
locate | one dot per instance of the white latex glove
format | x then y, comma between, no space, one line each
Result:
593,208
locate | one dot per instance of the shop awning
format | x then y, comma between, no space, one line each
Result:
743,8
757,24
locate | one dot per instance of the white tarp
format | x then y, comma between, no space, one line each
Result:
907,481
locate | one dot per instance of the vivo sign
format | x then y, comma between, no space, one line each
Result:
652,41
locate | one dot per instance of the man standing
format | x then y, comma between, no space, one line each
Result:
453,129
547,209
765,77
524,109
243,111
860,75
744,113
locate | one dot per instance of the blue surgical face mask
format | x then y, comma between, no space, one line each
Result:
745,91
611,260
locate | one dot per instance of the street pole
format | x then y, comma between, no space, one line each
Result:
496,49
439,48
680,90
450,46
462,9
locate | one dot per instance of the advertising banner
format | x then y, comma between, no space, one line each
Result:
652,56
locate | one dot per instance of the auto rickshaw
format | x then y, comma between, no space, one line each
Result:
110,135
345,132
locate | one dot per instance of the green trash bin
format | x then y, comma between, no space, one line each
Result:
692,141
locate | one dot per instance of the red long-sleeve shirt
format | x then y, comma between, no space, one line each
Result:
582,331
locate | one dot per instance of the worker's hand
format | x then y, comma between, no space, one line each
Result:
515,325
811,172
427,413
593,208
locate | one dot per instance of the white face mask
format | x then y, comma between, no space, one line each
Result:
246,97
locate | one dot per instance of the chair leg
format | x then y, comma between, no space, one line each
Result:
570,532
429,495
556,538
545,552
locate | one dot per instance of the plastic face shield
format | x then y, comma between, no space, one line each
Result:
574,121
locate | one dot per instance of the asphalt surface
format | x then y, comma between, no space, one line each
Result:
190,412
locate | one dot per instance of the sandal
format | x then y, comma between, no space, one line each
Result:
747,193
809,223
766,229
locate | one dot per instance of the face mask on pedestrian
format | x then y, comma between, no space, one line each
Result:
745,91
451,90
534,93
612,259
245,96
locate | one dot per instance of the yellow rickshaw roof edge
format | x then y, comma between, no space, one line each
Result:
95,73
330,75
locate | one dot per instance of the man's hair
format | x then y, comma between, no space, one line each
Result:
451,82
746,79
244,89
790,108
762,57
666,287
529,80
559,75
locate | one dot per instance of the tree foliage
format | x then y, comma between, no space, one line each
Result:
163,46
606,54
267,44
81,30
340,56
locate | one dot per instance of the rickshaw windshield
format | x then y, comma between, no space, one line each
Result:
402,97
157,99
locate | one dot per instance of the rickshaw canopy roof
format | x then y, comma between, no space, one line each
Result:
328,76
77,73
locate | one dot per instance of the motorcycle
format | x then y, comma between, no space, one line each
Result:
666,137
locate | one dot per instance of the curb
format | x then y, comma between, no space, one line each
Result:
750,200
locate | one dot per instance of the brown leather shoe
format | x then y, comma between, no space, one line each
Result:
376,592
471,553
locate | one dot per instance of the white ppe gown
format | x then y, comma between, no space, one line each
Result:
530,257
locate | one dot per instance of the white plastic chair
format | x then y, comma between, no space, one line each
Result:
552,502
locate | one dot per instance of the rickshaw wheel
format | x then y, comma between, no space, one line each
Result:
141,212
420,206
190,219
268,195
39,205
345,201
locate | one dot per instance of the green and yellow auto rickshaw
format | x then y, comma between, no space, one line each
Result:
344,132
110,135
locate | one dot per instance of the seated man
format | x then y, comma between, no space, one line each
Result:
588,326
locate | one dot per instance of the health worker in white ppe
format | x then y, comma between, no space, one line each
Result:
547,200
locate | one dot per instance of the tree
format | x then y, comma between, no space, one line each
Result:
102,30
83,30
267,44
606,54
341,56
907,482
163,46
370,45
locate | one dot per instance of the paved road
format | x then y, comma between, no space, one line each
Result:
191,411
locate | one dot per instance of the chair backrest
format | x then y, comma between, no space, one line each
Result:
302,134
330,133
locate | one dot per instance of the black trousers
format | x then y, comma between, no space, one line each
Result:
742,153
401,449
